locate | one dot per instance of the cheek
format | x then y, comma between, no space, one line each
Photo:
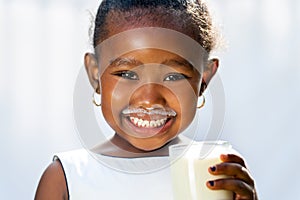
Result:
188,110
110,100
121,92
187,103
115,97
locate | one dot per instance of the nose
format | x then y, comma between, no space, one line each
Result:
148,95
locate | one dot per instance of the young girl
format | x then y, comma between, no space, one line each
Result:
151,63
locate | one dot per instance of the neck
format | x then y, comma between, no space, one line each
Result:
119,147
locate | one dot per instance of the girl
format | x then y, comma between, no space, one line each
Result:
150,66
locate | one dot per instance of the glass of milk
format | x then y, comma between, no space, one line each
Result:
189,170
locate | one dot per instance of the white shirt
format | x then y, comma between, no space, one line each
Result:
90,176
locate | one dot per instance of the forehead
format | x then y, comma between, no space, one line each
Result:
148,55
151,57
122,20
151,38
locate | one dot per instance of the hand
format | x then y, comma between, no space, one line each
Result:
240,182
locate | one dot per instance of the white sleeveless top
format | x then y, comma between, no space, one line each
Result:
115,178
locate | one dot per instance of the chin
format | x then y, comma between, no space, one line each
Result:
148,148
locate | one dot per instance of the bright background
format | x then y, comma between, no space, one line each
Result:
41,51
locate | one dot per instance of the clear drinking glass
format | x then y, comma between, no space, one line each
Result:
189,170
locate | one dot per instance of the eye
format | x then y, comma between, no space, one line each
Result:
175,77
130,75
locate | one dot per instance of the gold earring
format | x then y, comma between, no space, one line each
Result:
94,101
203,102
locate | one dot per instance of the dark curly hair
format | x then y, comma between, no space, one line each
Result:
190,17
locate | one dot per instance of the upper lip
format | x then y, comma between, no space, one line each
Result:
152,111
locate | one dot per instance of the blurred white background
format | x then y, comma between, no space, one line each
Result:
41,51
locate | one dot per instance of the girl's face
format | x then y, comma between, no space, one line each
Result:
149,96
148,87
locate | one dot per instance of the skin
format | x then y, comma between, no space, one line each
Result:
241,183
176,94
53,184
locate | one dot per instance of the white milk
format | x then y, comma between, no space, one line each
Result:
189,170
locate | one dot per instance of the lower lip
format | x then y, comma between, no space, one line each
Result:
148,132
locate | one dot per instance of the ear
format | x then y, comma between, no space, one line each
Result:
91,66
209,72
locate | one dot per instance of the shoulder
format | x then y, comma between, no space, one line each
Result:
53,183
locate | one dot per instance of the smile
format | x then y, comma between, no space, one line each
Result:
147,126
150,122
138,122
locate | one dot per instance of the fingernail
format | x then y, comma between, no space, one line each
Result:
211,183
213,168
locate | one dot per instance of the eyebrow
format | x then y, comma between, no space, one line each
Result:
178,62
125,61
133,62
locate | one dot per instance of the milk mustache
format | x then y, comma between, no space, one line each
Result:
189,170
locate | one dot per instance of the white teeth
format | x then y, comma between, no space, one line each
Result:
147,124
158,123
140,122
152,124
162,121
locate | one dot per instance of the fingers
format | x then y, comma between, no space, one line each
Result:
240,188
233,170
232,158
239,180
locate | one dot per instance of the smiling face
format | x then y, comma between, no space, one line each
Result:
149,96
149,79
